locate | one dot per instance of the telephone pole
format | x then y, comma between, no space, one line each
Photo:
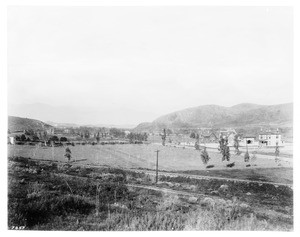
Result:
157,165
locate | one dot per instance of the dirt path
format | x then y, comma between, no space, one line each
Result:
166,190
208,177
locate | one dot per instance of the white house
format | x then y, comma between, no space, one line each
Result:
229,134
249,140
127,132
270,139
11,140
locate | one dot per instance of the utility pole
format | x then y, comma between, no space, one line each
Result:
157,165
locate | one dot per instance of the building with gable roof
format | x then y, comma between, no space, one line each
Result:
269,138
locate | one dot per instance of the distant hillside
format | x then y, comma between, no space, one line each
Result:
74,125
82,115
63,125
214,116
19,124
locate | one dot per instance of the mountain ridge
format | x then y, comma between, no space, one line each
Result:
212,116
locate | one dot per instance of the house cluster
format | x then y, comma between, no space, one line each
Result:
266,138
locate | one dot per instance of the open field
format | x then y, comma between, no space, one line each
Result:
46,195
142,156
275,175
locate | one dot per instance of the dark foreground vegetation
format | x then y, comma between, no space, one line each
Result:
61,196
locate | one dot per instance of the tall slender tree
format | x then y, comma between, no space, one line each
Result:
224,148
246,156
277,151
68,154
98,137
236,144
164,137
204,156
197,145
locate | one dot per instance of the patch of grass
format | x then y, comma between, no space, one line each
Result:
36,210
258,192
278,175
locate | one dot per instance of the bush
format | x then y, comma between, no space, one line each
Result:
54,138
204,156
63,139
230,165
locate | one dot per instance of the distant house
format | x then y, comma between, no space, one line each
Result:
229,134
11,140
248,139
128,132
50,131
210,138
270,139
55,131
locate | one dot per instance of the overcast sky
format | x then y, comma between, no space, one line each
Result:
151,60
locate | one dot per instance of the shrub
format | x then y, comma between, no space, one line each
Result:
204,156
230,165
54,138
63,139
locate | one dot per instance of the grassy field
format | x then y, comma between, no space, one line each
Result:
56,196
276,175
140,156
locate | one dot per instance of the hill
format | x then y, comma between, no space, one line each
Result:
20,124
215,116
